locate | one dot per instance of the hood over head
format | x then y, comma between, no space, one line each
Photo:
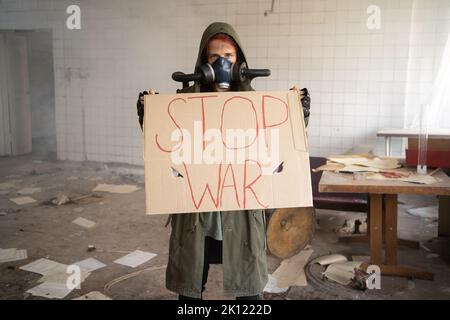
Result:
212,30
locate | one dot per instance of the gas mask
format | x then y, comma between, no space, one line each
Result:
222,72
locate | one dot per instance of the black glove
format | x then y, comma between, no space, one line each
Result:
306,104
140,108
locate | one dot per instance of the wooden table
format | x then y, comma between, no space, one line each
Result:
389,133
382,222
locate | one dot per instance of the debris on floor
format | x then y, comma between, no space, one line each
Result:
28,191
50,290
94,295
93,178
63,277
337,268
90,265
112,283
13,254
272,286
112,188
84,222
342,272
352,227
424,247
7,185
56,276
135,258
44,267
327,260
427,212
62,199
91,248
4,212
291,271
23,200
87,199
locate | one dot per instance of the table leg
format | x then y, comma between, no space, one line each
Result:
444,216
376,222
388,146
390,231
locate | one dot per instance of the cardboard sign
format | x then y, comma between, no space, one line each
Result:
225,151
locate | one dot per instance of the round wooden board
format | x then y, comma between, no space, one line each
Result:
289,231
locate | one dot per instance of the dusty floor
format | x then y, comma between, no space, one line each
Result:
47,231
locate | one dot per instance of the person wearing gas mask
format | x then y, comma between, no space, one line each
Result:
234,239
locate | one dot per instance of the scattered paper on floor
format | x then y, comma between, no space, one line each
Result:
23,200
28,191
50,290
44,266
342,272
272,286
13,254
326,260
135,258
94,295
291,272
6,185
63,276
113,188
84,222
90,265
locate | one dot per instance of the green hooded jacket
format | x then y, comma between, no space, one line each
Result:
243,232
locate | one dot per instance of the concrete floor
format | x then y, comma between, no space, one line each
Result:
46,231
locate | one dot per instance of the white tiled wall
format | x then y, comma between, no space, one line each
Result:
429,35
357,77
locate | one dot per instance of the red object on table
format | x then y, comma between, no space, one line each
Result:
435,159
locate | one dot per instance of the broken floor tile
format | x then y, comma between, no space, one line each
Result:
135,258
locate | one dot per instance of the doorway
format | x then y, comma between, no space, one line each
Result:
27,94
